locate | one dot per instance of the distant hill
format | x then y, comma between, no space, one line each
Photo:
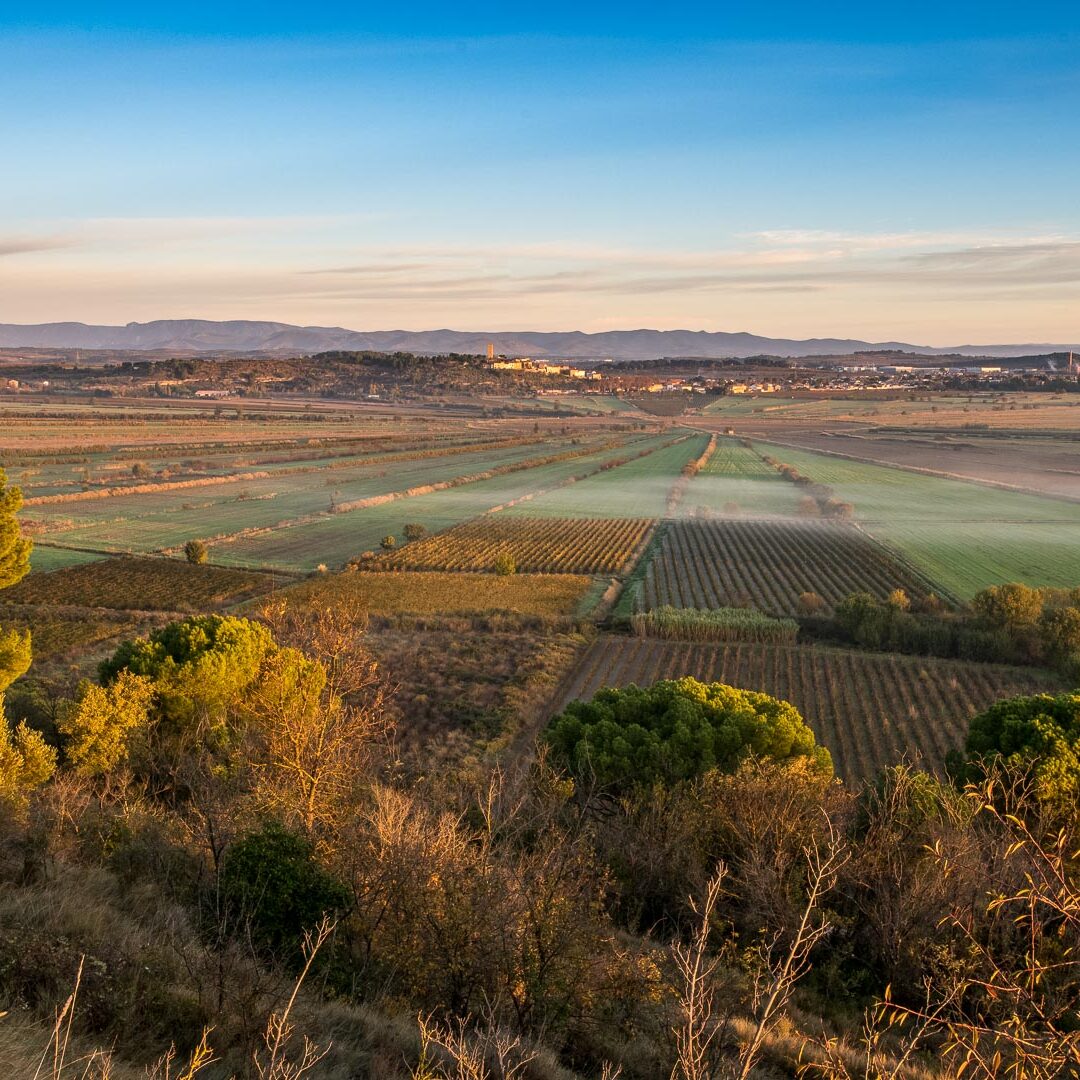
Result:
203,335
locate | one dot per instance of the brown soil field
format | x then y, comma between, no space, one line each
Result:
133,584
459,687
1043,465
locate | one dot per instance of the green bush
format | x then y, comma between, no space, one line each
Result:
1038,735
272,886
195,552
198,665
676,730
718,624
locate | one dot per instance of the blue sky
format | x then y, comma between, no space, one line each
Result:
909,171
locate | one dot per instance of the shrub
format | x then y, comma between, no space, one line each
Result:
1012,606
272,884
718,624
676,730
388,542
99,722
505,564
195,552
811,603
1038,735
415,531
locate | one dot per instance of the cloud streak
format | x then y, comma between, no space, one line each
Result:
28,245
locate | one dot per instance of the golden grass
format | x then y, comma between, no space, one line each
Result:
432,593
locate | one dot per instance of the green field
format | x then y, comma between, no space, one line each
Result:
44,558
640,488
963,535
155,520
336,539
736,482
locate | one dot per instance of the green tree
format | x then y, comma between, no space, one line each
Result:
675,730
26,762
388,542
415,531
15,653
1039,735
855,609
505,564
195,552
1013,606
272,883
98,725
14,547
1060,631
15,657
198,666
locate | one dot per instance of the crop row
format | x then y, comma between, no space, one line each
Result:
769,564
545,545
337,538
732,458
134,584
870,710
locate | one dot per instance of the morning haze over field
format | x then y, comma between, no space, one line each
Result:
540,544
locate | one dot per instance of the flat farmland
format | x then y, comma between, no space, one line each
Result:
636,489
134,584
964,535
457,689
50,474
154,520
422,593
736,482
1042,465
871,710
1000,411
537,545
45,558
58,634
336,539
767,564
60,426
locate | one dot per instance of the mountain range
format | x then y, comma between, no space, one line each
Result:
242,336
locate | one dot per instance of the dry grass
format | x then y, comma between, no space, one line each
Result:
447,594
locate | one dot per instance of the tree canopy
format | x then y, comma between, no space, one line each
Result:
198,666
1038,735
14,547
675,730
26,761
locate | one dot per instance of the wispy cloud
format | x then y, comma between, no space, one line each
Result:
809,261
26,245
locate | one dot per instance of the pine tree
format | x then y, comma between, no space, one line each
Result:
26,761
14,547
